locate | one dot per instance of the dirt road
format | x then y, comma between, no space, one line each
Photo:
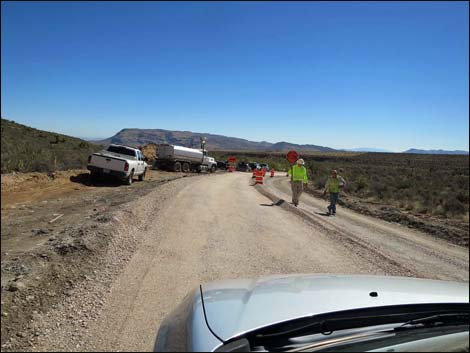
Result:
215,227
412,252
220,227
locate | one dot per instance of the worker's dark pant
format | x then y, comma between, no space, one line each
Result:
333,201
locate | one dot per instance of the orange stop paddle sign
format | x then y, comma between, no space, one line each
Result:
292,157
232,159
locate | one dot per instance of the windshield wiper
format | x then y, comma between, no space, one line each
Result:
327,343
433,321
408,316
438,320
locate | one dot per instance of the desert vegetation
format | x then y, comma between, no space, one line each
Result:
25,149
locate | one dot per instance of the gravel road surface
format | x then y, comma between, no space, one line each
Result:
219,226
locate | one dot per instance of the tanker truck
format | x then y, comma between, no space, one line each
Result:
178,158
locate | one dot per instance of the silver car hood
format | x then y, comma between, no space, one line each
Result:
238,306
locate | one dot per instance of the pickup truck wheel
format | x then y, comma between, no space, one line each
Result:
177,167
186,167
142,176
129,178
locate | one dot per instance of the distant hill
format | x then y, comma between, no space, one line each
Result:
138,137
286,146
369,149
417,151
25,149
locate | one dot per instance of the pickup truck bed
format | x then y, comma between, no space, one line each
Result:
106,164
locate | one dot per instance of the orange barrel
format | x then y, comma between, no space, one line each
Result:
272,172
259,177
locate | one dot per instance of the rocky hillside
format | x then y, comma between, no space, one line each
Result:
139,137
25,149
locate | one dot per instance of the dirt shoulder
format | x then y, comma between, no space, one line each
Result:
452,230
55,229
456,231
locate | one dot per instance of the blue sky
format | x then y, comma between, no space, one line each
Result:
339,74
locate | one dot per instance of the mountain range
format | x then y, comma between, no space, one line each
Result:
139,137
369,149
417,151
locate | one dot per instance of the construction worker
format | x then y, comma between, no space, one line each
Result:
333,186
298,177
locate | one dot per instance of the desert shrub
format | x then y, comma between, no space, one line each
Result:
419,207
361,183
452,206
462,196
378,189
439,211
404,184
41,166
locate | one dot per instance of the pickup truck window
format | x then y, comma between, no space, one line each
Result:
121,150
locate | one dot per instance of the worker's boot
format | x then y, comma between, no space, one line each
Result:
329,210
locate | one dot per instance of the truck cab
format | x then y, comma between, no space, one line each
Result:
211,163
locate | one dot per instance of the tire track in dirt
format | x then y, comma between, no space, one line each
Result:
415,252
366,251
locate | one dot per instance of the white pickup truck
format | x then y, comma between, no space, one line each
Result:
118,161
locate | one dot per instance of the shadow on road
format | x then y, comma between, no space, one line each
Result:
278,203
85,179
325,214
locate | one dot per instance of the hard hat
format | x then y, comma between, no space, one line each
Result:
300,161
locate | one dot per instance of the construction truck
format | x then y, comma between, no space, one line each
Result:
183,159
